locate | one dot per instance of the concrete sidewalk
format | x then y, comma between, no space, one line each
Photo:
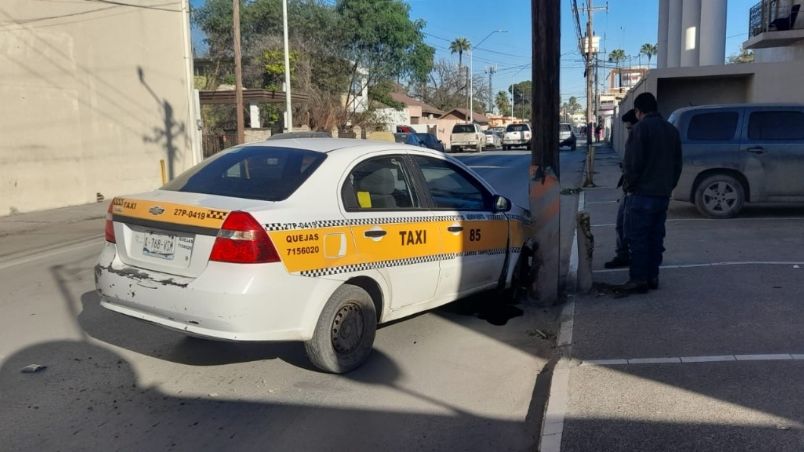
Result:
710,361
34,232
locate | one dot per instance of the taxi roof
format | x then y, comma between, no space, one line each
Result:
326,145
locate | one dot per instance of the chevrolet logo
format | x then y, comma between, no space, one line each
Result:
156,210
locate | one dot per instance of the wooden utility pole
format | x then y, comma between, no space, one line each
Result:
544,169
238,71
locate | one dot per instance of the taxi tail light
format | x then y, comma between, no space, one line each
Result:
109,230
242,240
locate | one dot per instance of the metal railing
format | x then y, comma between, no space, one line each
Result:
768,15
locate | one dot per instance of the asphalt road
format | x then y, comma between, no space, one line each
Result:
713,359
507,171
462,377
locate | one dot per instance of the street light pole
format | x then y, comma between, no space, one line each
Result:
288,107
471,89
238,72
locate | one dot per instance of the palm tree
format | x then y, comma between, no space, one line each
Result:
648,50
616,56
460,45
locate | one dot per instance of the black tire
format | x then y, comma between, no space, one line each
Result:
456,149
574,146
505,147
719,196
519,277
344,335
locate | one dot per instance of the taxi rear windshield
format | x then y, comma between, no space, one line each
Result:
254,172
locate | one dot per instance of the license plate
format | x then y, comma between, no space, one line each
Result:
159,245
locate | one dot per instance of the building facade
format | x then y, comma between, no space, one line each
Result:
96,98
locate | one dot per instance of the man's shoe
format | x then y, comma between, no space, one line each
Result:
630,287
618,262
653,283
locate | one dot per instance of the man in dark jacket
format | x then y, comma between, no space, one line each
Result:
622,256
651,168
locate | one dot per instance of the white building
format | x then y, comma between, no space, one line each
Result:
94,100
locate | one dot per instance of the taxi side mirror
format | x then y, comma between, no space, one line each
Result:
501,204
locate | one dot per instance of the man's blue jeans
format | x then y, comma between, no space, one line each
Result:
644,230
622,245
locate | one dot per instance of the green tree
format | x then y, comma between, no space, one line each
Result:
522,97
745,56
503,103
617,56
383,42
460,45
648,50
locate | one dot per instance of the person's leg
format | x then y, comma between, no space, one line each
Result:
659,231
638,234
622,256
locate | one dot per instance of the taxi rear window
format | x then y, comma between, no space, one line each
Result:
253,172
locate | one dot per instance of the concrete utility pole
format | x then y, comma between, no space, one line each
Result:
238,71
491,70
591,66
544,169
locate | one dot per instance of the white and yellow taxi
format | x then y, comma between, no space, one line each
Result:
314,240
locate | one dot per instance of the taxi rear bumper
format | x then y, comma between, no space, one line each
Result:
232,302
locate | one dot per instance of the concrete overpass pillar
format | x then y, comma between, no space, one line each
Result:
674,33
713,32
661,43
690,30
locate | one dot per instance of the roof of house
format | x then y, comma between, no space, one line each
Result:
399,95
463,113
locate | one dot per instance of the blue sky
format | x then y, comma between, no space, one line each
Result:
627,24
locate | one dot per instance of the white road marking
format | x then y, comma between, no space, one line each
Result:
678,220
572,273
712,264
694,359
95,241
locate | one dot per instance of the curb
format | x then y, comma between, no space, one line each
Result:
558,396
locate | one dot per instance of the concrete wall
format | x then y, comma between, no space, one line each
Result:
94,95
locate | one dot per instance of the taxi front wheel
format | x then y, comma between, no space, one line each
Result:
344,335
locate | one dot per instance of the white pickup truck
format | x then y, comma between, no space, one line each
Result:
516,135
467,136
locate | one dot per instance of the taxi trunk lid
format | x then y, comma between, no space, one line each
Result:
171,232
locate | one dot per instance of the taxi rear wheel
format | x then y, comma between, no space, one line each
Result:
344,335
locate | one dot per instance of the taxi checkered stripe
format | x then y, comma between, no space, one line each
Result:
216,214
399,262
369,221
374,265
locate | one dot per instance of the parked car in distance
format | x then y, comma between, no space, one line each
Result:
493,139
566,136
431,141
409,138
298,135
517,135
405,129
740,153
467,136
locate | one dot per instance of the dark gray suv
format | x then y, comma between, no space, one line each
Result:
734,154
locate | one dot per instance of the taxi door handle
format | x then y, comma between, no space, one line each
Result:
375,233
756,150
455,228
